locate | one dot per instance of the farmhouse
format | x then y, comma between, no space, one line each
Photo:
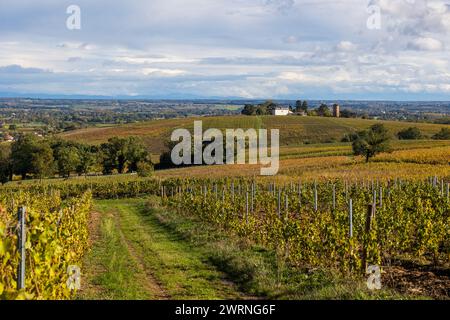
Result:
281,111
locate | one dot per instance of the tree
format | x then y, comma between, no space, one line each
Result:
444,134
135,153
352,137
120,153
348,114
115,154
305,106
5,164
32,155
412,133
249,110
371,142
68,160
324,111
108,164
298,106
87,160
42,161
268,107
21,154
261,110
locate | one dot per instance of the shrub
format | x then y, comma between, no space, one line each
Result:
412,133
444,134
144,169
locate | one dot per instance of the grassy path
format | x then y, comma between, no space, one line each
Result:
134,257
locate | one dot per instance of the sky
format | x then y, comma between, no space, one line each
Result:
253,49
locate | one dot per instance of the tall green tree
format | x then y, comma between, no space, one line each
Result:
324,111
5,164
372,142
42,160
269,106
87,159
305,106
249,110
122,153
67,160
262,110
298,106
136,152
115,151
31,155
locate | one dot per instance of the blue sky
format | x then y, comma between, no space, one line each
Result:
307,49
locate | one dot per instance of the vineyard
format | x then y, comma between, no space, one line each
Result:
335,224
330,224
101,188
225,159
57,237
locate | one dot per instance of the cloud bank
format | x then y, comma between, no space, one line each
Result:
228,48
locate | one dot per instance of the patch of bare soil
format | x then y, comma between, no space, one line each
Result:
418,281
94,227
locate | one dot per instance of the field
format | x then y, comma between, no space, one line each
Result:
310,147
225,238
224,232
294,131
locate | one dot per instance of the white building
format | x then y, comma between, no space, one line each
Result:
282,112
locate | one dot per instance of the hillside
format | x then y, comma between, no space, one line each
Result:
293,130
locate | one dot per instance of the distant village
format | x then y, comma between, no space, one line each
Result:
8,132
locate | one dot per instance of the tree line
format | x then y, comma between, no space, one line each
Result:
33,157
301,107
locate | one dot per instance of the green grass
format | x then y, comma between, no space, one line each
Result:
137,254
111,273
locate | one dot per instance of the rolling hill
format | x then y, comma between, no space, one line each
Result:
294,131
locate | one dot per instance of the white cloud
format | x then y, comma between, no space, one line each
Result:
426,44
346,46
163,72
270,48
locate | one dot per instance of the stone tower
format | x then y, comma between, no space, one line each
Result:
336,111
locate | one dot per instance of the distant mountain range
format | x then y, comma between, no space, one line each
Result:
190,97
